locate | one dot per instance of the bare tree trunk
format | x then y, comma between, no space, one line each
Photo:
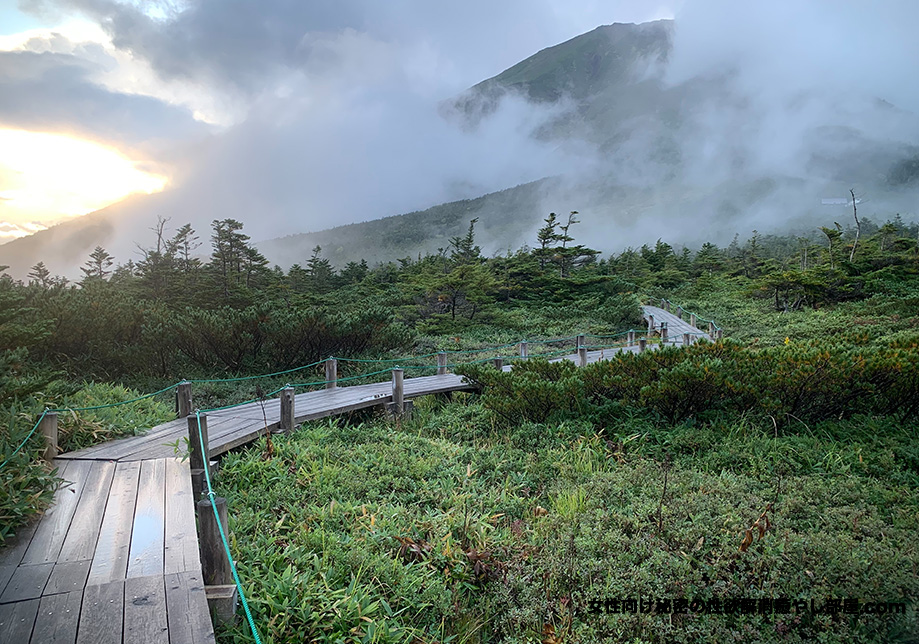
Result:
858,225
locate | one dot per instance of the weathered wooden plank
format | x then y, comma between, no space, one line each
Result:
95,450
6,572
149,525
150,453
67,577
158,436
102,614
145,619
12,551
27,582
84,528
57,619
188,614
181,546
52,529
110,561
17,620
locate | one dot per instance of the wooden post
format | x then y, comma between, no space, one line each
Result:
692,320
183,399
580,341
331,373
49,431
687,339
195,457
398,391
524,352
582,356
499,363
663,333
215,565
631,337
650,323
642,344
711,328
719,335
441,363
679,312
286,423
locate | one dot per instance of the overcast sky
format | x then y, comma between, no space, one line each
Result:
301,102
309,114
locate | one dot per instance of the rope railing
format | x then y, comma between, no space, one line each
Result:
211,495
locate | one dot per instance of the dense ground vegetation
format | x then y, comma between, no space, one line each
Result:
500,516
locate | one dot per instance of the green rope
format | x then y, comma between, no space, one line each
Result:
117,404
248,402
25,440
264,375
223,537
349,378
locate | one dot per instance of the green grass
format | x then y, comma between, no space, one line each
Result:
448,528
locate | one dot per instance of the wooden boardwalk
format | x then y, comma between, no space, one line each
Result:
231,428
114,559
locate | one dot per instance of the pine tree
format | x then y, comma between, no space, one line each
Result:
97,266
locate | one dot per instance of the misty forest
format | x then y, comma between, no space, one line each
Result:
775,460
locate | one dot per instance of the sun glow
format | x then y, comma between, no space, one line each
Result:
48,177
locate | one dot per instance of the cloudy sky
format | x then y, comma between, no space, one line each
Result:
102,98
302,115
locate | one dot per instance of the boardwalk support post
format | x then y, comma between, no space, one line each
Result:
631,338
692,320
663,333
286,422
642,344
183,399
582,354
679,312
524,350
195,457
49,431
650,323
215,565
499,363
687,339
719,335
441,363
399,408
711,328
331,373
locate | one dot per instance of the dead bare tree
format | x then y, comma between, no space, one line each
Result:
858,225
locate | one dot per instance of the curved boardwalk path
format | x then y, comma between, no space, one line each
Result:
115,558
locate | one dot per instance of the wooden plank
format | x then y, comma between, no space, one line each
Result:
118,449
110,561
145,620
84,528
181,548
188,614
15,547
151,453
17,620
27,582
67,577
49,536
6,572
149,525
102,614
57,619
